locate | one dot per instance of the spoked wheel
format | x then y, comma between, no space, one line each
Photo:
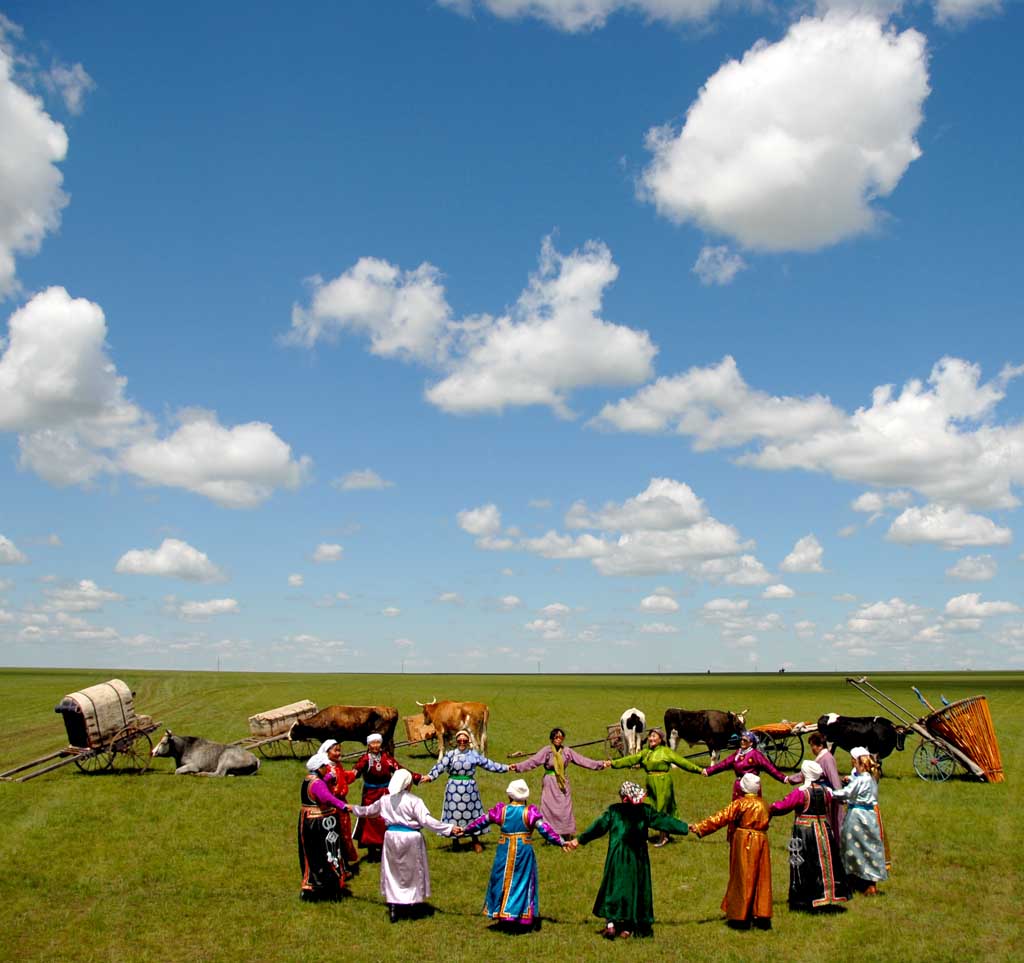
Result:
302,748
933,763
276,749
130,750
786,752
430,744
94,761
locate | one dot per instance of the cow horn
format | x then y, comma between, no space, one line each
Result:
430,703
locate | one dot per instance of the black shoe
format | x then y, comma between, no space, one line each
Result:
393,912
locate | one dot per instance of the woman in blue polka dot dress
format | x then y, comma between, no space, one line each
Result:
461,794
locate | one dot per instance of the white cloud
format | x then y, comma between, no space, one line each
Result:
548,629
659,628
847,531
482,521
805,557
450,597
804,629
875,502
659,603
236,467
735,570
510,602
365,479
556,610
949,527
391,612
10,554
71,83
404,643
327,552
84,596
892,620
664,505
173,559
970,606
296,581
31,198
718,265
779,591
211,607
942,440
552,341
974,568
788,148
958,12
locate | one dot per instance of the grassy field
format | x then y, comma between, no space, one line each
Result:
157,867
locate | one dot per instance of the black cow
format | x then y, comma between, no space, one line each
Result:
632,724
875,733
348,724
201,757
713,727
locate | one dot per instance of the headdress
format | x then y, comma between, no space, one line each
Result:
315,761
518,790
811,772
631,792
374,737
751,784
752,736
326,744
857,751
400,781
466,733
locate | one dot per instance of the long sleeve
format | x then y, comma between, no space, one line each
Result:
539,758
494,815
596,829
828,766
797,799
442,765
321,792
535,820
625,761
668,824
768,766
490,765
713,823
722,765
681,761
427,821
580,760
363,811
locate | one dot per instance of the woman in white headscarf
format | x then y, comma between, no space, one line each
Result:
863,842
816,874
404,872
321,859
512,891
376,767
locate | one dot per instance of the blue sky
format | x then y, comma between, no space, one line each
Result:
579,335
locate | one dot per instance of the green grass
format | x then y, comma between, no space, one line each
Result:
157,867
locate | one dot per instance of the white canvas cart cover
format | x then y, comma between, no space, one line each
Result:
101,710
276,722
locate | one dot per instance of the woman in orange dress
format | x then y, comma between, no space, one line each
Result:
748,897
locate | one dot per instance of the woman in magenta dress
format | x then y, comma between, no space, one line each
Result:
748,758
816,874
321,859
556,793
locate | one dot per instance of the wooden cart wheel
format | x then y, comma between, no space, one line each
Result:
430,744
98,760
131,750
932,762
787,752
276,749
302,748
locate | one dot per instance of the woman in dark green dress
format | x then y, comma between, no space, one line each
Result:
625,898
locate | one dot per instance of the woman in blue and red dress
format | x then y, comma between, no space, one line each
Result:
376,767
748,758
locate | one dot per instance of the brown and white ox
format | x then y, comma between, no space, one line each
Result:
348,724
449,717
713,727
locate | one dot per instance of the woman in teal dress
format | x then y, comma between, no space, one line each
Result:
512,890
625,898
657,760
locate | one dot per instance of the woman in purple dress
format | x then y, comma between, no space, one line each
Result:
556,793
321,858
748,758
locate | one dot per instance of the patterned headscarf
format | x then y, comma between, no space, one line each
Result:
752,736
632,793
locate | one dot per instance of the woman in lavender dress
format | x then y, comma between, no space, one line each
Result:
556,793
748,758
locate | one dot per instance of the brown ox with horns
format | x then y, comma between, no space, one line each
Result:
449,717
348,724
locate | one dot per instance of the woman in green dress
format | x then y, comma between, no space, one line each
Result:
625,898
657,760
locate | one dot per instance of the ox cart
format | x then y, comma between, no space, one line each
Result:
960,733
268,732
104,732
783,742
417,729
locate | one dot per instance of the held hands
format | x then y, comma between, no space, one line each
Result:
457,831
571,845
512,768
424,779
703,772
607,763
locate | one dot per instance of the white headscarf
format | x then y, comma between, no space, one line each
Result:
857,751
751,784
325,745
315,761
518,790
400,781
811,772
374,737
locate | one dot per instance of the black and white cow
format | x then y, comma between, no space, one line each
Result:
713,727
878,735
205,758
633,723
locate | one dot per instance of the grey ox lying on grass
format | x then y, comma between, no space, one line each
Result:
205,758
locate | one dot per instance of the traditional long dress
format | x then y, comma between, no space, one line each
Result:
816,874
376,768
749,893
625,896
343,778
321,860
657,763
512,889
461,794
863,836
556,793
404,871
744,761
836,809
